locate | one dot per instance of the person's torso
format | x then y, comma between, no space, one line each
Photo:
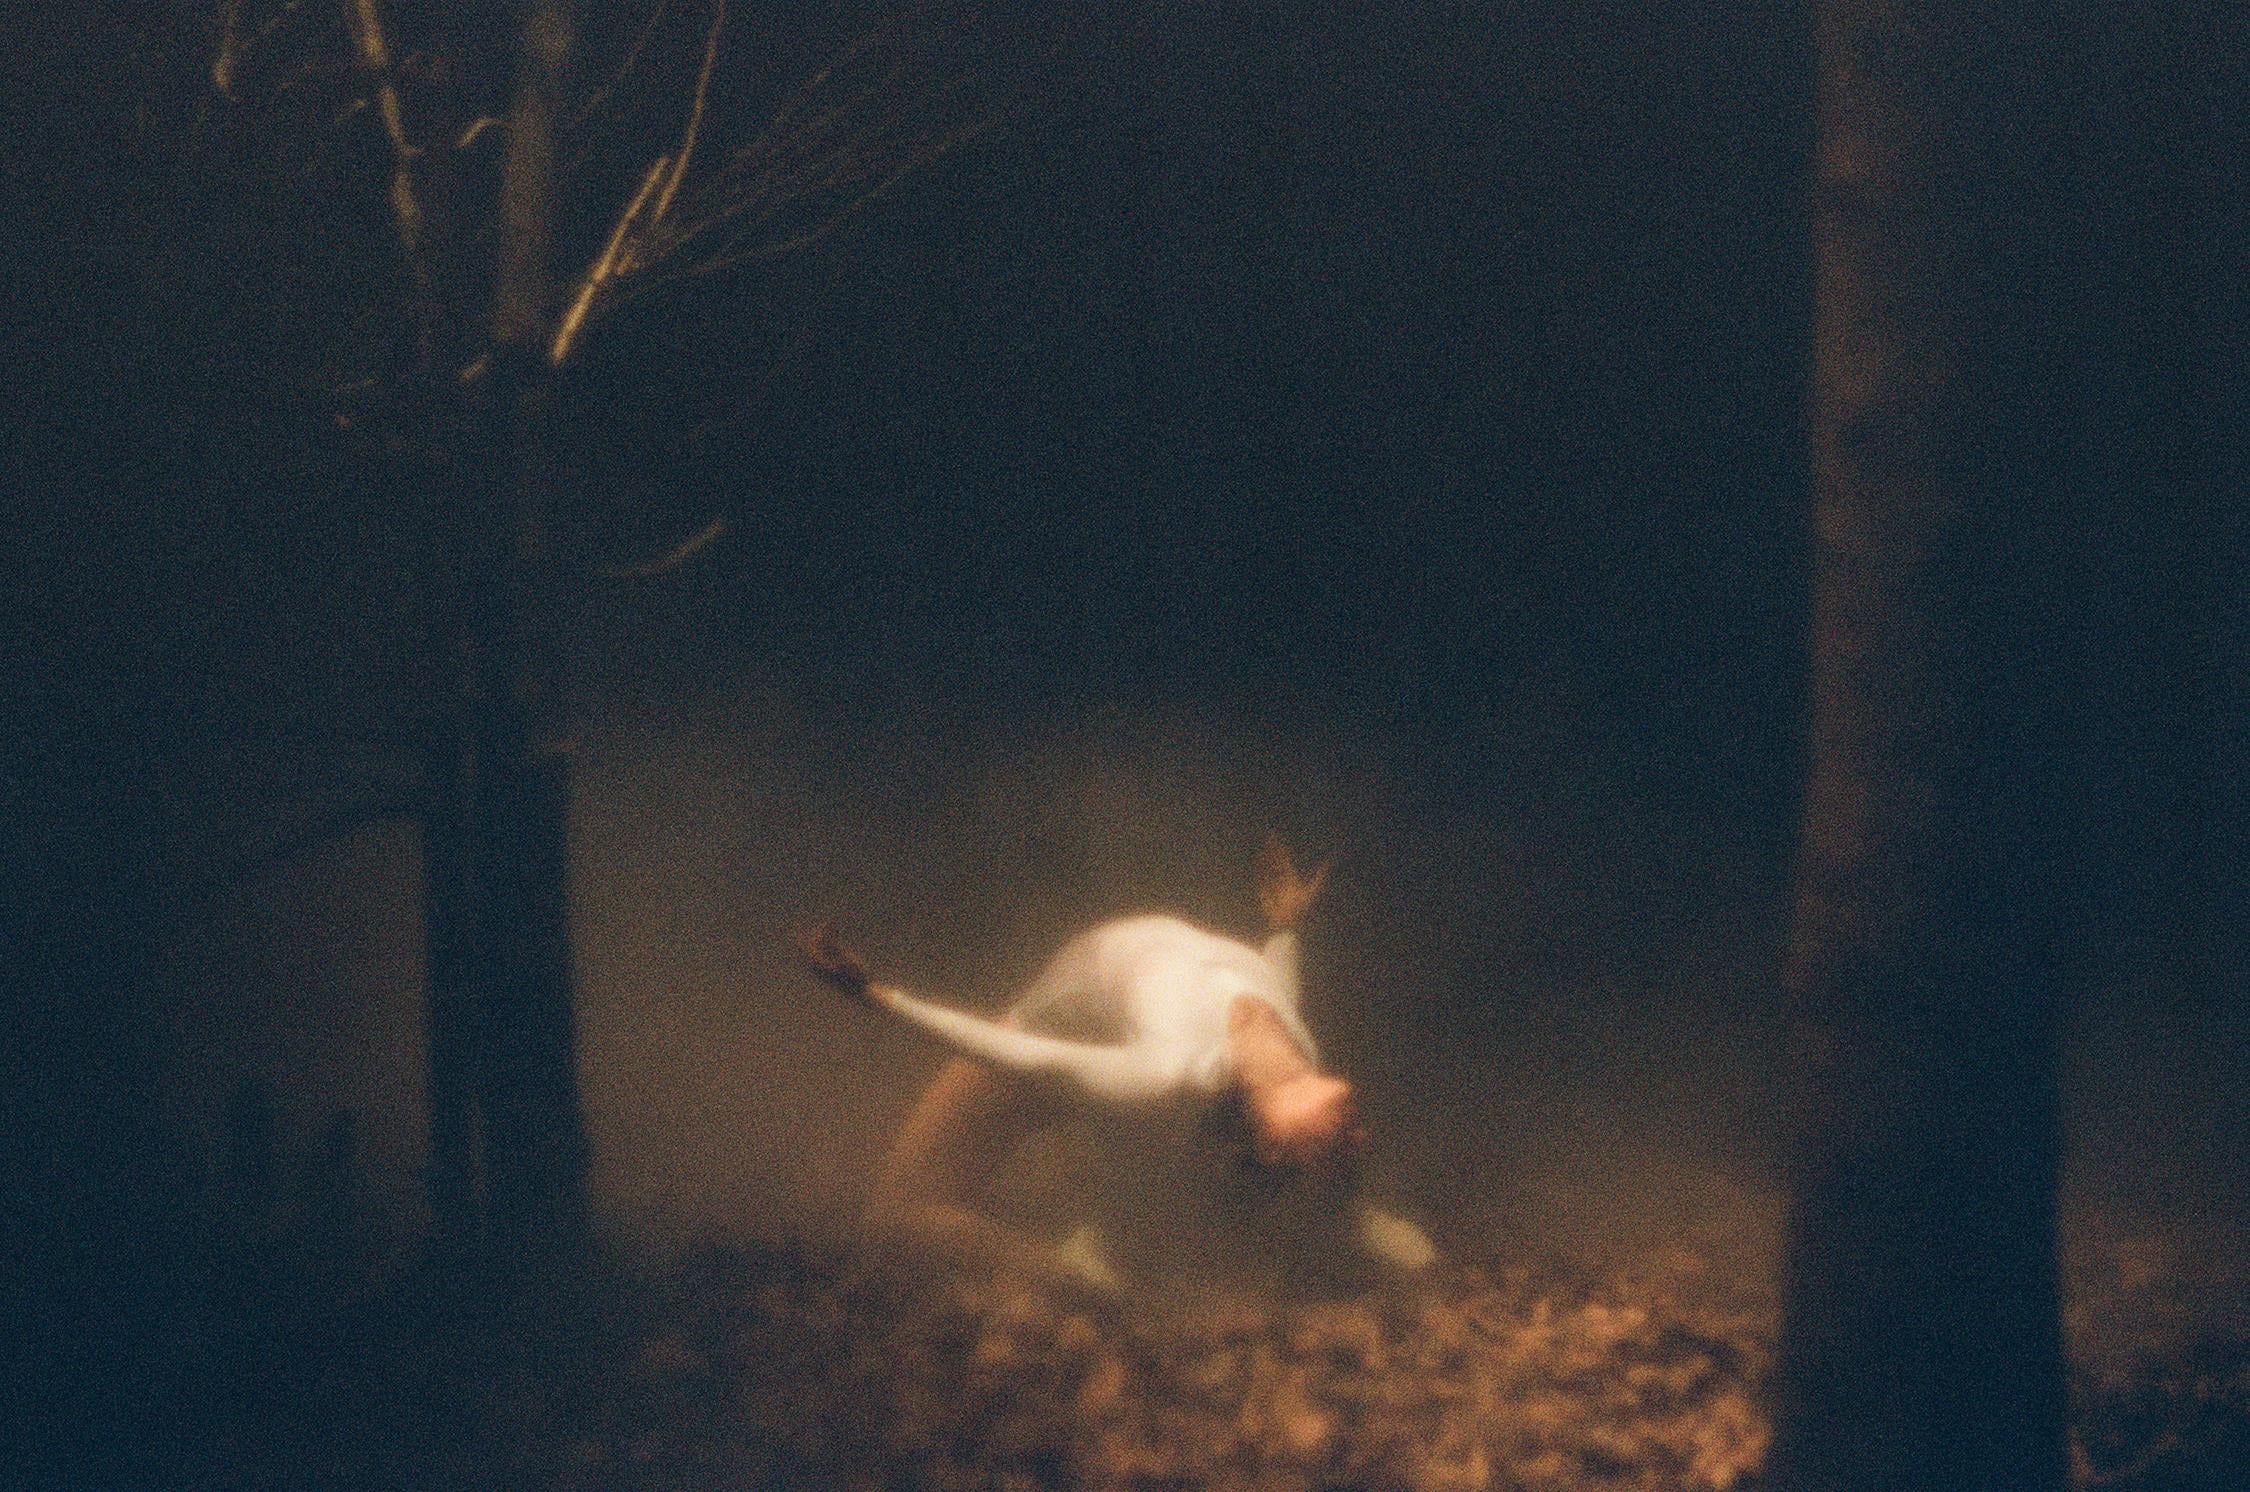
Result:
1157,982
1165,1182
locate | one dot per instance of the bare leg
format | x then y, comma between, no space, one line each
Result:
966,1125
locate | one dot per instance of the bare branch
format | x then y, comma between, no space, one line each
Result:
632,58
375,56
605,264
285,13
780,248
737,248
695,114
366,25
230,47
620,252
842,140
671,559
239,45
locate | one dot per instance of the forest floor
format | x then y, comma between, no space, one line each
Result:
788,1368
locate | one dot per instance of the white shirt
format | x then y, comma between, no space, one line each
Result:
1162,989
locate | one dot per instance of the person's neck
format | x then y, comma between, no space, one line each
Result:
1264,1052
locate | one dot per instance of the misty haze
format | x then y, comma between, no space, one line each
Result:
1710,525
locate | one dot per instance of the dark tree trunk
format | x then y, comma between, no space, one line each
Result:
449,974
534,1131
1921,1340
445,283
507,1149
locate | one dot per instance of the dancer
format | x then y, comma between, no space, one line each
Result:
1143,1020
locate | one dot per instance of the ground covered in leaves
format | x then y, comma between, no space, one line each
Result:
1497,1377
793,1369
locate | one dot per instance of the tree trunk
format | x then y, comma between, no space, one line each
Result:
1921,1343
534,1131
449,972
444,303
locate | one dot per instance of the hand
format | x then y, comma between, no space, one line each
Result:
823,951
1282,893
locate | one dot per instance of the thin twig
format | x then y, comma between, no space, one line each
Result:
366,25
671,559
274,21
222,66
832,176
375,53
605,265
695,116
839,142
632,58
236,47
732,252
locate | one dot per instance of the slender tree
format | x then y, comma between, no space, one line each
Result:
487,172
1921,1339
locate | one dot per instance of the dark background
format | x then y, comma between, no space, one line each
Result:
1383,427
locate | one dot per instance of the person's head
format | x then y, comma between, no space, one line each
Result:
1292,1115
1304,1122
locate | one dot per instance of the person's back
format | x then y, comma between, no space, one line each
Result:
1165,987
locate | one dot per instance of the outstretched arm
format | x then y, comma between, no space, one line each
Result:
1113,1074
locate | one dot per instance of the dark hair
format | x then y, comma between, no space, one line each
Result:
1226,1124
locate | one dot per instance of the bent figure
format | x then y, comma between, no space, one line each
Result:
1141,1019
